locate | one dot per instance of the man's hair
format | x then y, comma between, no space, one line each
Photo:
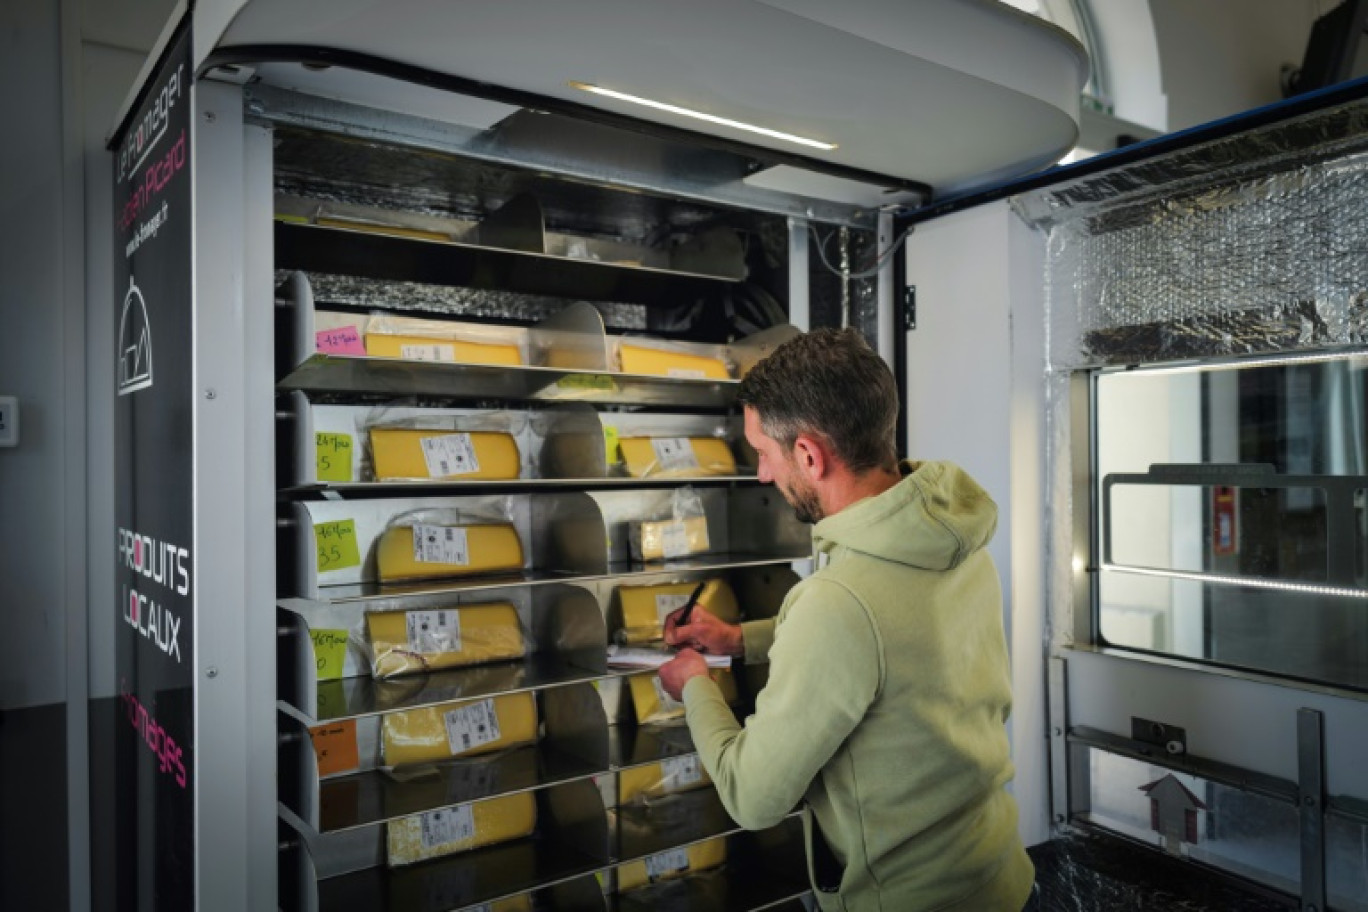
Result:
829,384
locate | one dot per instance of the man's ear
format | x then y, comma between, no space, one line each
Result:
812,457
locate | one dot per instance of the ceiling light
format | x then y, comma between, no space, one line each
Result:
699,115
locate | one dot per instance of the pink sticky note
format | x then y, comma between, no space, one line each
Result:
344,340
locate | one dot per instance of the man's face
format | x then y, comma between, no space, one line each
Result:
778,465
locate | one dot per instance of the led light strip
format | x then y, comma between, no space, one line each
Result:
1243,364
1337,591
699,115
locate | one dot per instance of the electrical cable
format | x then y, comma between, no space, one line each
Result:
879,262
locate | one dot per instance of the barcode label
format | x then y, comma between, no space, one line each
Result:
472,726
665,863
686,373
440,545
673,453
667,702
674,540
435,352
434,631
681,771
449,454
668,603
447,826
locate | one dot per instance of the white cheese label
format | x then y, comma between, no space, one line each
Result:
666,863
434,352
447,826
440,545
667,702
681,771
471,726
449,454
674,540
668,603
434,631
673,453
686,373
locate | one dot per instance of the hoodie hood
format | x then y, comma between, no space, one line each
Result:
933,519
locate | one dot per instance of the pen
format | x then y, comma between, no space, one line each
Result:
689,605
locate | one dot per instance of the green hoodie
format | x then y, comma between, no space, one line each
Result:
888,689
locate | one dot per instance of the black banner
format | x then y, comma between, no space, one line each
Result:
148,822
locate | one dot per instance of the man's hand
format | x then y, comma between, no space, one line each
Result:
677,672
704,632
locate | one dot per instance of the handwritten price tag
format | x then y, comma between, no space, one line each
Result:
330,649
333,456
336,748
337,548
344,340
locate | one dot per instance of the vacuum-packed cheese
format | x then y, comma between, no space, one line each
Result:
458,729
439,348
428,453
667,539
435,638
676,457
424,551
644,608
638,359
458,829
655,780
672,863
653,704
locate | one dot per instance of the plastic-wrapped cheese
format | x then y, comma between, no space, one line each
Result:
676,457
458,729
403,642
637,359
668,539
655,780
458,829
653,704
441,348
672,863
427,453
425,551
644,608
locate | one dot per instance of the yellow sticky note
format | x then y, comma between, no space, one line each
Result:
610,444
337,549
333,456
330,648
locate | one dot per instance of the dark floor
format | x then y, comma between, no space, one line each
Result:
1083,873
33,809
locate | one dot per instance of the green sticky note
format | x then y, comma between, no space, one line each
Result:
336,543
333,456
600,382
330,649
610,444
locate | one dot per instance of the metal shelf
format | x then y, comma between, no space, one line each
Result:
639,745
386,488
668,823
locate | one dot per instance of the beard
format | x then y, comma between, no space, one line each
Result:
807,507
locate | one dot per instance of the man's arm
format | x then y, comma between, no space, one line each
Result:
825,671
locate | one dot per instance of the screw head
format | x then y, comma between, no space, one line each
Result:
210,117
210,394
211,671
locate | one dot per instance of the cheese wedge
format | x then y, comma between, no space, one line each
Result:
488,549
441,348
460,729
667,539
678,774
653,704
403,642
461,828
672,863
466,456
644,608
637,359
656,457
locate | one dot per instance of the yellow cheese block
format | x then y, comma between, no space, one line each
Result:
655,780
667,539
672,863
460,729
652,704
403,642
489,548
461,828
639,360
644,607
439,348
399,453
705,456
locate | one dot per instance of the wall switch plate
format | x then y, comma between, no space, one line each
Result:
9,421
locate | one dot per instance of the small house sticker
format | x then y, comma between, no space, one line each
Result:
1173,812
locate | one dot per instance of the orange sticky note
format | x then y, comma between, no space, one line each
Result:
335,745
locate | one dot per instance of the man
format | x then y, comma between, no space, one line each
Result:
888,680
